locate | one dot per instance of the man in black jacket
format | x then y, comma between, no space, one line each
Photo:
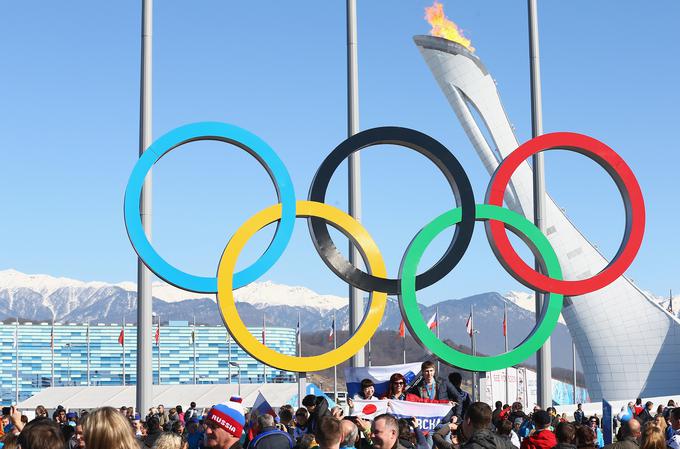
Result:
432,387
476,429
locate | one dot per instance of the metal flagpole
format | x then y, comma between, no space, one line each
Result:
573,367
158,348
16,356
403,342
52,348
87,351
229,355
123,350
193,344
144,389
356,303
335,368
264,342
300,376
436,321
505,335
474,352
543,357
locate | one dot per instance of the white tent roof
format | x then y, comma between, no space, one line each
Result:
77,398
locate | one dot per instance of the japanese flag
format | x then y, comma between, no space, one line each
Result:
369,409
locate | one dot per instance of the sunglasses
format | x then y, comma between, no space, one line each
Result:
399,383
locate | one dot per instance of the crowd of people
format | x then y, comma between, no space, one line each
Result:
315,425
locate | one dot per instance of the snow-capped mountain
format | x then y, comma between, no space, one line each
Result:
43,297
525,300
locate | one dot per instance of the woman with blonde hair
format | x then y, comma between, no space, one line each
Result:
653,438
169,440
107,428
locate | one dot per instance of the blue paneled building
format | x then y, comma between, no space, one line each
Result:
69,343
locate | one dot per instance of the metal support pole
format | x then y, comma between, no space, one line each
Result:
87,351
475,396
144,388
335,368
193,344
300,376
573,367
264,342
123,354
505,336
52,350
229,355
158,348
16,355
543,357
238,373
436,320
356,303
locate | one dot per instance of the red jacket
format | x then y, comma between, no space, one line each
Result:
543,439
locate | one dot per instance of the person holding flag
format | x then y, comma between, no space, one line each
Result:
397,391
432,387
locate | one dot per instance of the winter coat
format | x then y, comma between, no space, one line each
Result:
485,439
541,439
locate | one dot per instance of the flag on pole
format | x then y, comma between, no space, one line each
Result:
469,325
505,322
402,329
52,336
158,332
264,331
433,322
262,406
330,334
121,337
16,336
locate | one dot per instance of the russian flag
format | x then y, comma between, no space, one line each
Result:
380,375
262,406
432,323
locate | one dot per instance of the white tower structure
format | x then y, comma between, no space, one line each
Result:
628,344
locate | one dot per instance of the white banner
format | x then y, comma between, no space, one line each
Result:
427,415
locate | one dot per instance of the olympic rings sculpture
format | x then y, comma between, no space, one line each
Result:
496,221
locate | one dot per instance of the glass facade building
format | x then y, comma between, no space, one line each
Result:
179,341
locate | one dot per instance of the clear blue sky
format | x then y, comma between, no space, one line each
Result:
69,124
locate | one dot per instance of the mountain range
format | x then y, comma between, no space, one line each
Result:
44,297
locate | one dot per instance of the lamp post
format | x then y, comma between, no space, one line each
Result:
238,373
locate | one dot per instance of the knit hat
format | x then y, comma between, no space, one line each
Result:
229,416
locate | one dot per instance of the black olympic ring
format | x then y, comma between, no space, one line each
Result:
444,160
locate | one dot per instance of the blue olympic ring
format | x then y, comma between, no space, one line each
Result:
225,133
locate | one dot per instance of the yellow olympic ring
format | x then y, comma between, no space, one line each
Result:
227,304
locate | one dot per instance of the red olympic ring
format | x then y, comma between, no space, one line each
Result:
627,185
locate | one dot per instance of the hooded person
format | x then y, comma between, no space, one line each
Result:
224,426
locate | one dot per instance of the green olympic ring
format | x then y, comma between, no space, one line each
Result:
415,322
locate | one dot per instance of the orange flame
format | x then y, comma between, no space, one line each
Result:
443,27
